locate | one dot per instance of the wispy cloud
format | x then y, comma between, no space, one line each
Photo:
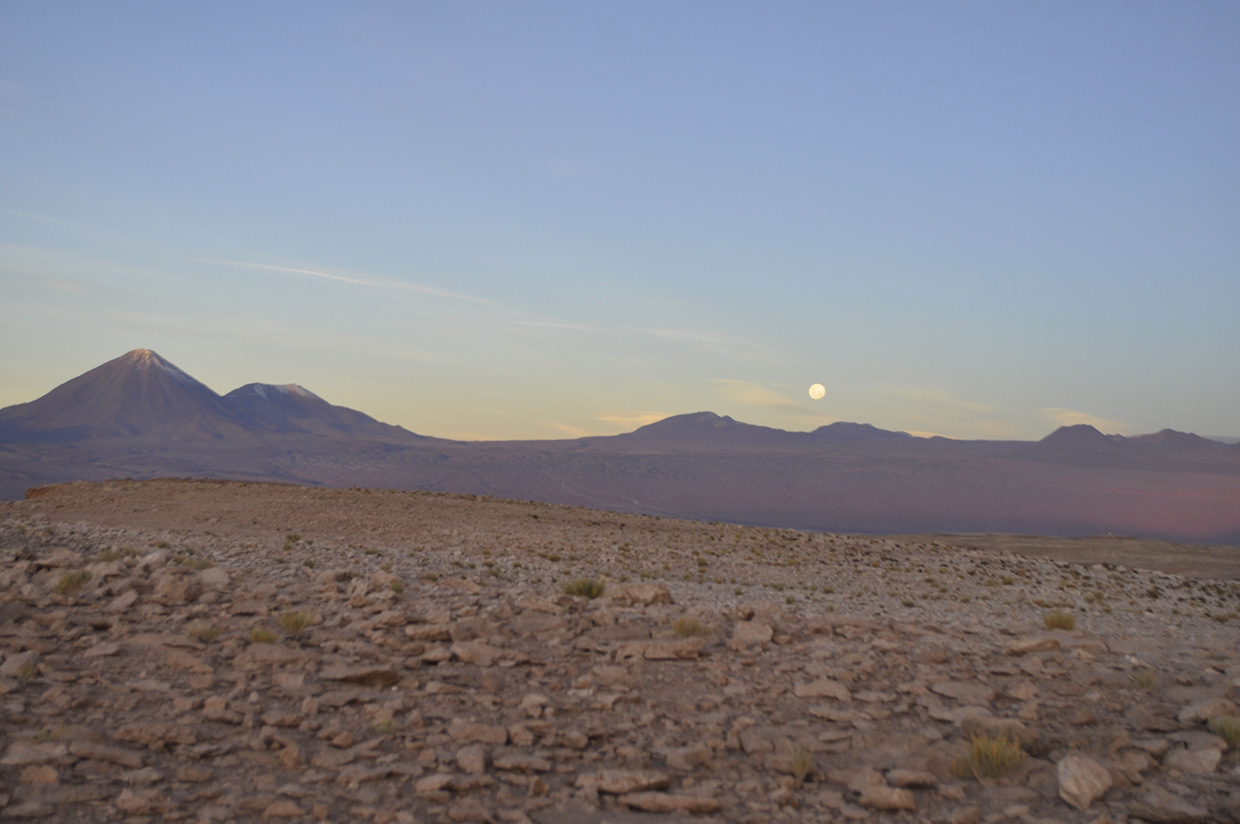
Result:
632,420
931,410
561,326
753,394
48,219
352,278
1072,417
570,430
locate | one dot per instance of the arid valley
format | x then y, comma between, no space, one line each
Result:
214,651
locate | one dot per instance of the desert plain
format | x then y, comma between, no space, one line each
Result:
210,651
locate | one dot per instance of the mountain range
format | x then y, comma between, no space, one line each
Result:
141,416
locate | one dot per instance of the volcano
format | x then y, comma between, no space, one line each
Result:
138,394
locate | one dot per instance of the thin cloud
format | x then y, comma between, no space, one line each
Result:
633,420
753,394
1072,417
358,280
48,219
560,326
570,430
699,338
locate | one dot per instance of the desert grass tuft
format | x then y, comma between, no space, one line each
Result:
586,587
1144,679
687,626
27,671
1226,727
72,582
262,635
989,757
293,622
1058,619
802,764
206,633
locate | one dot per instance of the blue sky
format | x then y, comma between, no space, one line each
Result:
531,220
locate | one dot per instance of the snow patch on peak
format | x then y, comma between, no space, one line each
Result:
294,389
149,358
260,391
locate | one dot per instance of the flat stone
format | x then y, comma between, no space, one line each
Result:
750,633
24,753
621,782
966,692
473,732
656,802
1082,780
882,797
1161,807
822,688
369,676
1032,643
1194,762
95,751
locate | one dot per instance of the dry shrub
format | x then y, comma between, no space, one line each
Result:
1059,619
293,622
687,627
72,581
989,757
586,587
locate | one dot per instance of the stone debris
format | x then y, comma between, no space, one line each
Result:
437,672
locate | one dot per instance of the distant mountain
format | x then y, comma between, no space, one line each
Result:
136,395
844,432
707,429
139,416
291,409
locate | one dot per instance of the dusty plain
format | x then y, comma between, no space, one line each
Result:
216,651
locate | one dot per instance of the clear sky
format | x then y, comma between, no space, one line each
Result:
550,219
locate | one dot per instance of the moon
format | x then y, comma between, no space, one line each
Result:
817,391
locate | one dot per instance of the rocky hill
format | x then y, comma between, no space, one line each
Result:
208,651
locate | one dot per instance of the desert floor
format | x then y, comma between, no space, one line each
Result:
214,651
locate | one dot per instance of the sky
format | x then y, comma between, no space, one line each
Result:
512,220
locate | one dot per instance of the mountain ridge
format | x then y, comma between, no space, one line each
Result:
140,416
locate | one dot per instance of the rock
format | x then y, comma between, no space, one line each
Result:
39,774
1161,807
24,753
370,676
822,688
914,779
656,802
283,808
622,782
473,732
19,664
1200,711
966,692
882,797
1194,762
639,594
139,803
1082,780
1032,643
95,751
748,634
472,759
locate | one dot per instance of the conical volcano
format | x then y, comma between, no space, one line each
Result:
138,394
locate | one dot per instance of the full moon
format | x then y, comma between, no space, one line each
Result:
817,391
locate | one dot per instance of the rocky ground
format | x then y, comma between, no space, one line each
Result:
208,651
